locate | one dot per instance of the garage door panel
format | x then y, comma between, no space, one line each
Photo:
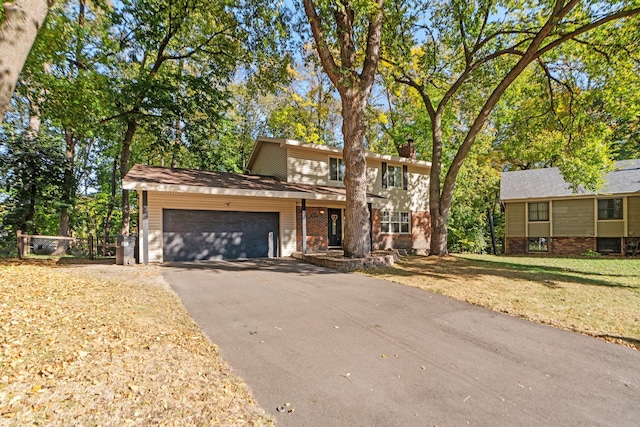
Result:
207,235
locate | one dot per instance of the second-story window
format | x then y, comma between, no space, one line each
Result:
394,176
336,169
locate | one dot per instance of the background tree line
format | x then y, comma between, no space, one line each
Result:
191,84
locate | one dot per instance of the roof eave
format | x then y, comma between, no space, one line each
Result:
218,191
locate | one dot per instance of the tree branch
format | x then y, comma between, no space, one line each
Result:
344,17
581,30
372,51
326,57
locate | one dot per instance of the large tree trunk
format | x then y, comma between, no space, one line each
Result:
132,125
22,20
438,210
356,242
354,84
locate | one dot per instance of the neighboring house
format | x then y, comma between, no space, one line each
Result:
543,215
290,199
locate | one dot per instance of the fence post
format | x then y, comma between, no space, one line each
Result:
19,243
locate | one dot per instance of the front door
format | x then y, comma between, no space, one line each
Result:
335,227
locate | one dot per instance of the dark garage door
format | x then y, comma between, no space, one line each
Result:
204,235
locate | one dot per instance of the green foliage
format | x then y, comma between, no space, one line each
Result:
30,172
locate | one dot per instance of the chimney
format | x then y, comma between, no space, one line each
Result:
407,149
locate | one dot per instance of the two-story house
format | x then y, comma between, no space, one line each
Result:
544,216
291,198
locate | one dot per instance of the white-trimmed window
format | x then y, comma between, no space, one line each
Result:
395,222
394,176
336,169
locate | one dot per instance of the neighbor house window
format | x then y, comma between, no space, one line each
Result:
609,245
539,211
538,244
610,209
336,169
394,222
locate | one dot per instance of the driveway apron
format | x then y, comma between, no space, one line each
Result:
322,348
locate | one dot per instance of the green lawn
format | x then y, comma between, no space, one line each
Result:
595,296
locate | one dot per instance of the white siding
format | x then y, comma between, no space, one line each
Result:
415,198
308,167
272,161
158,201
312,167
419,189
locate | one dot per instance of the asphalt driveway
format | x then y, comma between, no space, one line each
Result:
347,350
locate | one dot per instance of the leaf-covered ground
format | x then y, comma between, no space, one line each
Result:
108,345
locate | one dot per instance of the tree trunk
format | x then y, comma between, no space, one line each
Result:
22,20
30,136
24,227
356,241
68,190
111,204
124,168
438,211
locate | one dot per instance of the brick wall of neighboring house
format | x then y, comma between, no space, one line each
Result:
557,246
516,246
317,229
417,240
572,245
628,245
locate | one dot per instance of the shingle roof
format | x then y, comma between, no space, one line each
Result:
141,176
548,182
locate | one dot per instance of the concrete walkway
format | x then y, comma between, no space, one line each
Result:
347,350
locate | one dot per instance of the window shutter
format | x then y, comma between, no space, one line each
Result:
384,175
405,177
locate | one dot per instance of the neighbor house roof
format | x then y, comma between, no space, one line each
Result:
549,183
153,178
329,150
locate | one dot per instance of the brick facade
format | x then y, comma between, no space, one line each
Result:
416,240
572,245
318,223
557,246
515,246
317,229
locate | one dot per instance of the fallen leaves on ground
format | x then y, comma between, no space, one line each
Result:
108,345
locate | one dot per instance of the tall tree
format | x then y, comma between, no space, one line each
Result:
179,57
21,21
347,36
472,53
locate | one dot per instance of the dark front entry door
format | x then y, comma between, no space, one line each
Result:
335,227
